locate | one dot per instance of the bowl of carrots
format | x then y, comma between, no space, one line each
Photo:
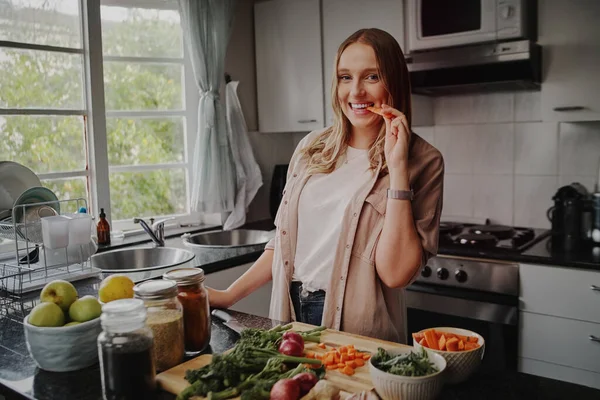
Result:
462,349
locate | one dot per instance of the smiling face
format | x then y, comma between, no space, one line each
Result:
359,86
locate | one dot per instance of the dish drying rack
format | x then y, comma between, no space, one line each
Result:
31,271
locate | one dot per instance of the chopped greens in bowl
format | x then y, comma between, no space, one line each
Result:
414,364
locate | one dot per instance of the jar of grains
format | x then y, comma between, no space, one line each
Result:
165,318
196,312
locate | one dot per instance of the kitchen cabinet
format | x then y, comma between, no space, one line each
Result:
256,303
289,65
341,18
559,316
568,33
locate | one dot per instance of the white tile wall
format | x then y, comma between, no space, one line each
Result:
503,162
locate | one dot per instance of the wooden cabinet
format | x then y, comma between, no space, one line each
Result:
568,33
341,18
289,74
559,317
256,303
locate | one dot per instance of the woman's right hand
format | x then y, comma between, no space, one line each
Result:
219,298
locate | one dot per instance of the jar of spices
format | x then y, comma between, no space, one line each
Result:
196,312
125,352
165,318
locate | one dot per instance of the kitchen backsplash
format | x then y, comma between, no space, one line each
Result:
502,161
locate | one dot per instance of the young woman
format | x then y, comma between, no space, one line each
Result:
361,207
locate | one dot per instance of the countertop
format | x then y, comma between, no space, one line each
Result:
19,377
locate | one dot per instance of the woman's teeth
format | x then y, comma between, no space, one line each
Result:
361,105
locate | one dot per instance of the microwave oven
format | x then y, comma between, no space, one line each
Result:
433,24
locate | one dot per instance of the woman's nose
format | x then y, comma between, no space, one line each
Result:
357,88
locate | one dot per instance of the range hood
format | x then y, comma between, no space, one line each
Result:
505,66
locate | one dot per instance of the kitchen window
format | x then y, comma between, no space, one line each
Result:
128,153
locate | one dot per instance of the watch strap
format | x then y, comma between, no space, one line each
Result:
400,194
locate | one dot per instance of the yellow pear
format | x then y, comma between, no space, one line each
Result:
116,287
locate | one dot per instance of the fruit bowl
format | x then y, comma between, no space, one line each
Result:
461,364
392,387
64,348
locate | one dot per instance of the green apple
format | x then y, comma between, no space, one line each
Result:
85,309
60,292
72,323
47,314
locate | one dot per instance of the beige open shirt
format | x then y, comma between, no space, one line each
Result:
357,301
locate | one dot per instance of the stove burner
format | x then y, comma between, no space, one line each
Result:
479,240
450,228
501,232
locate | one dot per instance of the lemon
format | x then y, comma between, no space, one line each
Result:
116,287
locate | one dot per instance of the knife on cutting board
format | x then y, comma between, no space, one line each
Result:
228,320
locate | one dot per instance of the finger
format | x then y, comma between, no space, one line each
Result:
391,111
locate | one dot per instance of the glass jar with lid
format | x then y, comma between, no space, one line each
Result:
125,351
196,311
165,318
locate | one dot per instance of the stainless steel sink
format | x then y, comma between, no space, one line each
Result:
142,263
216,246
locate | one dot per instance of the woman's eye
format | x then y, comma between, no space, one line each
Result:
344,77
373,77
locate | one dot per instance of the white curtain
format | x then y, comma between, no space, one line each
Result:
207,25
248,175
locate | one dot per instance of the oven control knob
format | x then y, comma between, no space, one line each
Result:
460,275
442,273
426,272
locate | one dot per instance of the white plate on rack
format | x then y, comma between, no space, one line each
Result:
14,180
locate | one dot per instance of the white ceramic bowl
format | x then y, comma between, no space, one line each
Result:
395,387
461,364
64,348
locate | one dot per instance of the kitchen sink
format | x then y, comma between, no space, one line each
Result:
216,246
142,262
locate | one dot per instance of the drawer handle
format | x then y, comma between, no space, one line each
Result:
595,338
306,121
569,108
596,288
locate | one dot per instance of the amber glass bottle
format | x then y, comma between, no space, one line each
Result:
103,229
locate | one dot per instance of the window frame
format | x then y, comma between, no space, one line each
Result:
97,169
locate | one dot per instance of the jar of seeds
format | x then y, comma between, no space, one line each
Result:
165,318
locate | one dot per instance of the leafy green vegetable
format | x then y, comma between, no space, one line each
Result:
251,369
409,364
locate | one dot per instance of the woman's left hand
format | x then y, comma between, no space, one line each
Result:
397,138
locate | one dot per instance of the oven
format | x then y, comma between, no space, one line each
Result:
478,295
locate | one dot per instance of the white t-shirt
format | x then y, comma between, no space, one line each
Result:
321,208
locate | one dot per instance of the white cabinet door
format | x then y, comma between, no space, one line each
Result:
560,341
569,33
257,303
559,372
561,292
289,75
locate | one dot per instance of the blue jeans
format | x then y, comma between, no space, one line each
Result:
308,306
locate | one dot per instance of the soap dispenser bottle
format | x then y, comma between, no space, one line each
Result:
103,229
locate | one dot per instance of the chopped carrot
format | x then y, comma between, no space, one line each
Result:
350,346
432,340
462,337
310,354
452,344
418,336
341,365
351,363
442,343
472,339
359,362
366,356
461,345
348,370
343,349
351,356
471,346
330,367
344,358
338,358
330,360
322,345
423,342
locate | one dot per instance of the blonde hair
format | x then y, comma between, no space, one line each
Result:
325,150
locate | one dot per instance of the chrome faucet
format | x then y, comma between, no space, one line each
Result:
156,232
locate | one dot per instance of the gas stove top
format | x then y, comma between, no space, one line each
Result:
478,240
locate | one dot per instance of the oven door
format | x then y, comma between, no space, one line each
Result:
435,24
495,317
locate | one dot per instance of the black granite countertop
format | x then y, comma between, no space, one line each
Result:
20,378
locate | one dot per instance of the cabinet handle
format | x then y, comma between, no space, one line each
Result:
569,108
595,338
596,288
306,121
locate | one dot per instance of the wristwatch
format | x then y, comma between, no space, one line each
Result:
400,194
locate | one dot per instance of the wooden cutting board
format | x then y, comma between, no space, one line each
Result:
173,380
